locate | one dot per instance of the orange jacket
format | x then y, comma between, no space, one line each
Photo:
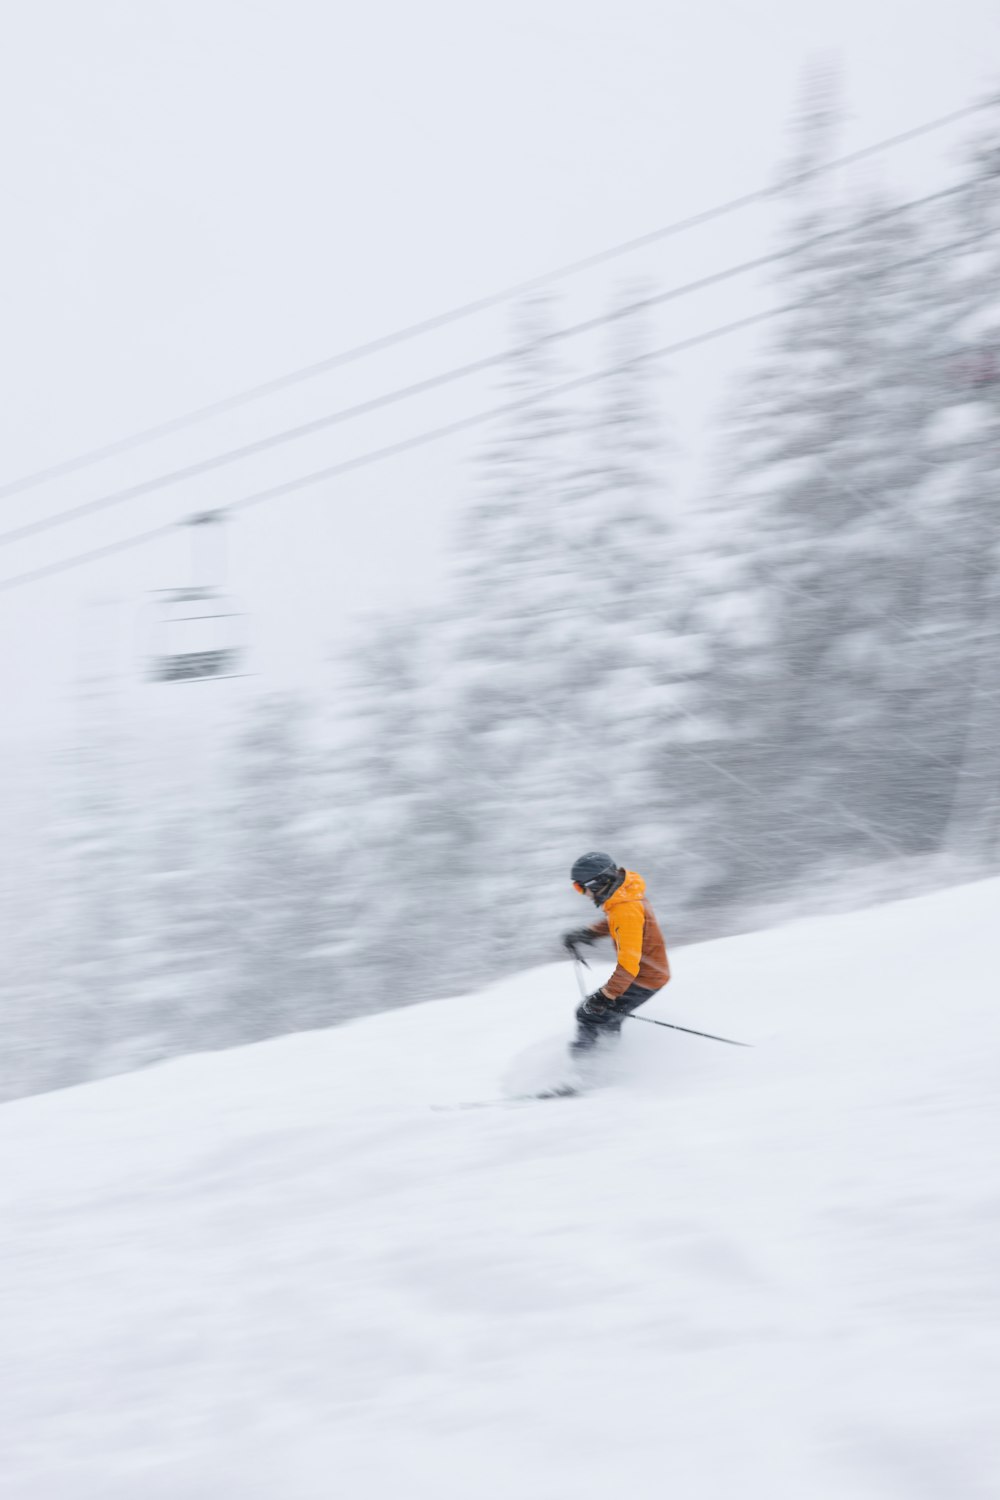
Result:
642,953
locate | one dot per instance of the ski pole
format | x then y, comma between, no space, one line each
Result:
672,1026
580,964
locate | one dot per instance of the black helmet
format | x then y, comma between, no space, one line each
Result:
595,875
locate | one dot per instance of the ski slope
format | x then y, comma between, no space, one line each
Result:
279,1272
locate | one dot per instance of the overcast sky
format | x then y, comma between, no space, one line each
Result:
200,196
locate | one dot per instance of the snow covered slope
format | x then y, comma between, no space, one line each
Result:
278,1272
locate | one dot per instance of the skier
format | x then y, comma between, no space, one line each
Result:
642,966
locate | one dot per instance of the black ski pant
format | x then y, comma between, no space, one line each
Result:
590,1029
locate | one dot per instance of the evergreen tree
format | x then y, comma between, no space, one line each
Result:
766,561
277,893
87,920
401,839
649,707
183,964
970,555
567,613
833,459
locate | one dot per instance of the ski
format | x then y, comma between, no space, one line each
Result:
562,1091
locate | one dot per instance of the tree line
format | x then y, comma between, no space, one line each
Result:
795,676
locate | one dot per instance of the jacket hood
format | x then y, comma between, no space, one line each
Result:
632,888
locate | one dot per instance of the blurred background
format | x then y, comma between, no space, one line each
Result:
439,442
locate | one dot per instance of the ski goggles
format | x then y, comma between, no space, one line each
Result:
590,886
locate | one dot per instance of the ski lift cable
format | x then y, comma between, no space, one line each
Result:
490,300
464,371
463,424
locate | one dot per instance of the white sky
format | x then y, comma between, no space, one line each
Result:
201,196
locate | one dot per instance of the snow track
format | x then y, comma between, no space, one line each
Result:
277,1272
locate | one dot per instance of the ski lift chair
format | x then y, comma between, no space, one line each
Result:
198,632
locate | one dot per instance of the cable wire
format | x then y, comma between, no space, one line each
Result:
464,424
459,372
484,303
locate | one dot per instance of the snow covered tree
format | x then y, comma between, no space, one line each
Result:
182,964
773,488
969,556
517,651
831,461
874,536
569,678
402,839
87,921
649,705
277,884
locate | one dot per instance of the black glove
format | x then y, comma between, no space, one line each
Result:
597,1004
582,937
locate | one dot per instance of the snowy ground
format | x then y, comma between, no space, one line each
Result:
278,1272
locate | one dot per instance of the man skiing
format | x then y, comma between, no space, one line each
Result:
642,966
